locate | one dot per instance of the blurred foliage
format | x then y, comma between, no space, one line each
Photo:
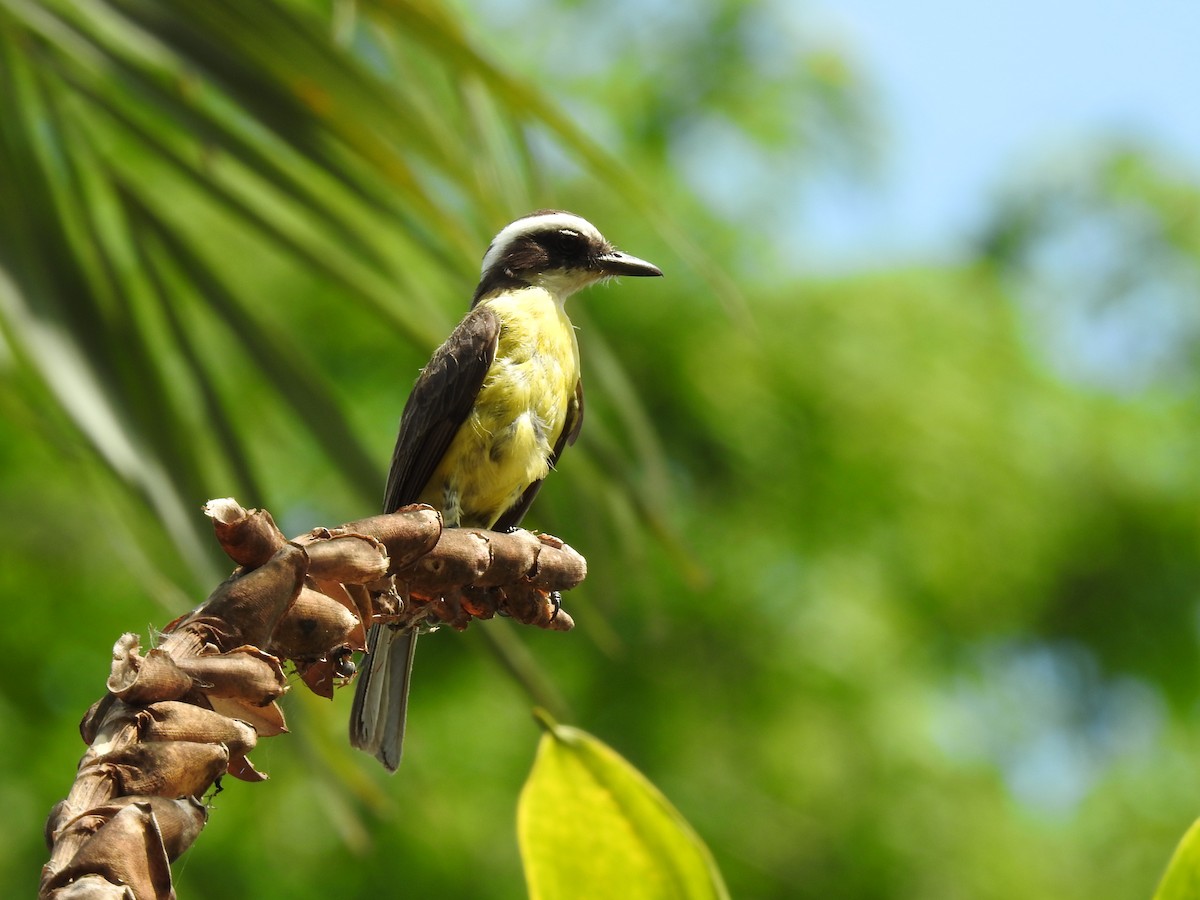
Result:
890,593
1102,245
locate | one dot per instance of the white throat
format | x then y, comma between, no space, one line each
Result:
562,283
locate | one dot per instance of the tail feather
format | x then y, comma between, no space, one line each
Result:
381,696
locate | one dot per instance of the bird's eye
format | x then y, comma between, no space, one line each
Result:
566,247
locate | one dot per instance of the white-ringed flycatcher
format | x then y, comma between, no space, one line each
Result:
487,419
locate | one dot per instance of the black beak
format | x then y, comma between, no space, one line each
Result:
614,262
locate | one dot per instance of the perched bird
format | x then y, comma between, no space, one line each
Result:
487,419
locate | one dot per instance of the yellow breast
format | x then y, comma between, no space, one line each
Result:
506,443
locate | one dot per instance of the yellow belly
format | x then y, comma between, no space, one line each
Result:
506,443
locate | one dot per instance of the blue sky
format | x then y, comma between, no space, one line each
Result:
971,92
966,95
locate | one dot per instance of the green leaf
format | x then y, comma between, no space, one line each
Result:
1181,881
591,825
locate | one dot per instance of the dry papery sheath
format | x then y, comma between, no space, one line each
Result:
178,717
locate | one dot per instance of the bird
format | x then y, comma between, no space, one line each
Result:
487,420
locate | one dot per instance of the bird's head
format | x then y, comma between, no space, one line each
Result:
556,250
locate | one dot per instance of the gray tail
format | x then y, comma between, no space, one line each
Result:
381,696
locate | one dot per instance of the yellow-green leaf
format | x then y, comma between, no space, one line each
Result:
591,826
1181,881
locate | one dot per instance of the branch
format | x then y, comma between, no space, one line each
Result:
178,718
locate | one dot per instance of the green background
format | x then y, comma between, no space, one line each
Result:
884,602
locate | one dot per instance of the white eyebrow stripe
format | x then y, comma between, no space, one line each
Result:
556,221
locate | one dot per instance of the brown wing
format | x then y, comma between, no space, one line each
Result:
440,402
570,432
